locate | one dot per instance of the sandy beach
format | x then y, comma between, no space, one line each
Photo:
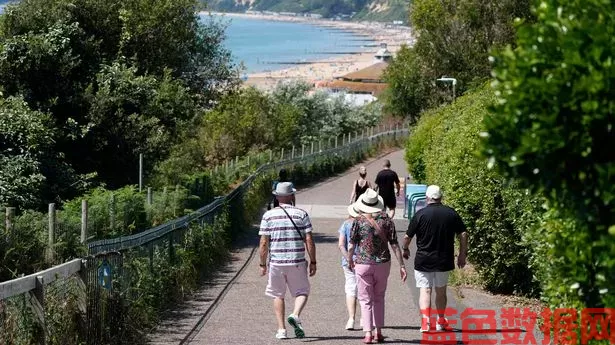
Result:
393,36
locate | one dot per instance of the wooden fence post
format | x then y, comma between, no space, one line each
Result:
175,200
140,172
10,215
37,303
270,155
52,231
84,221
112,212
282,155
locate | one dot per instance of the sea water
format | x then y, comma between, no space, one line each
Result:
264,45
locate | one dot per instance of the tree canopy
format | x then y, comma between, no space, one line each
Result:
454,39
113,80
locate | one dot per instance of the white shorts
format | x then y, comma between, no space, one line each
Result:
351,282
430,279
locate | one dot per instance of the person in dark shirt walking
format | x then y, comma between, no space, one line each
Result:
435,227
386,181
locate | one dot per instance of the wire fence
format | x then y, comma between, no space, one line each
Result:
115,293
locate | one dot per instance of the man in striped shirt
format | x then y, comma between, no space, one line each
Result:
286,234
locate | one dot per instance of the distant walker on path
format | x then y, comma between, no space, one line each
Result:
286,234
360,185
386,182
435,227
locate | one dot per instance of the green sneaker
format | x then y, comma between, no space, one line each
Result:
296,323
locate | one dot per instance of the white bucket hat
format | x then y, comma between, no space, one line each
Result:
284,189
369,202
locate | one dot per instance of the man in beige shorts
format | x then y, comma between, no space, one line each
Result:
435,227
286,234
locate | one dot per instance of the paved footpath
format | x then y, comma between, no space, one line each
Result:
244,315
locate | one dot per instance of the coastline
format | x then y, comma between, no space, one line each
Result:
332,67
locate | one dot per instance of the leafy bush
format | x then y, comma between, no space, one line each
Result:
442,150
250,121
551,130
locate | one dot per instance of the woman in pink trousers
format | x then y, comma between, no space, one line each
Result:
372,232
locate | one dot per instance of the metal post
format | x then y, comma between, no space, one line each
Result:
270,155
335,141
52,231
312,152
236,160
149,196
292,156
282,155
140,172
319,145
302,150
84,221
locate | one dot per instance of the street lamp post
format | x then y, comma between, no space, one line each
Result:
449,80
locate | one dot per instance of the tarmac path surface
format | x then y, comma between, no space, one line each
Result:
242,314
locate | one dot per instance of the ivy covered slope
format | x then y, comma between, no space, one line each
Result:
375,10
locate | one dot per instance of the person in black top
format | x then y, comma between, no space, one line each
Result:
386,181
359,186
282,177
435,227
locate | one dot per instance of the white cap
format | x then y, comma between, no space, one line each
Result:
433,192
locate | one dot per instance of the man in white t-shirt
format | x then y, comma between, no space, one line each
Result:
286,234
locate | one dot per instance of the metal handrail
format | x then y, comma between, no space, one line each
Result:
142,238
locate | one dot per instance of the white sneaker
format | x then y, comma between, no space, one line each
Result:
281,334
294,321
350,324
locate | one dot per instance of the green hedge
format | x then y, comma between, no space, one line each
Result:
441,150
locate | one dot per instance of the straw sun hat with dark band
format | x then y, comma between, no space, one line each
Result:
369,202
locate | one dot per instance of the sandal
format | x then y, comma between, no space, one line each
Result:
379,338
368,339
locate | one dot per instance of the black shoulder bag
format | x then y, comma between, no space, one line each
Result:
292,221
